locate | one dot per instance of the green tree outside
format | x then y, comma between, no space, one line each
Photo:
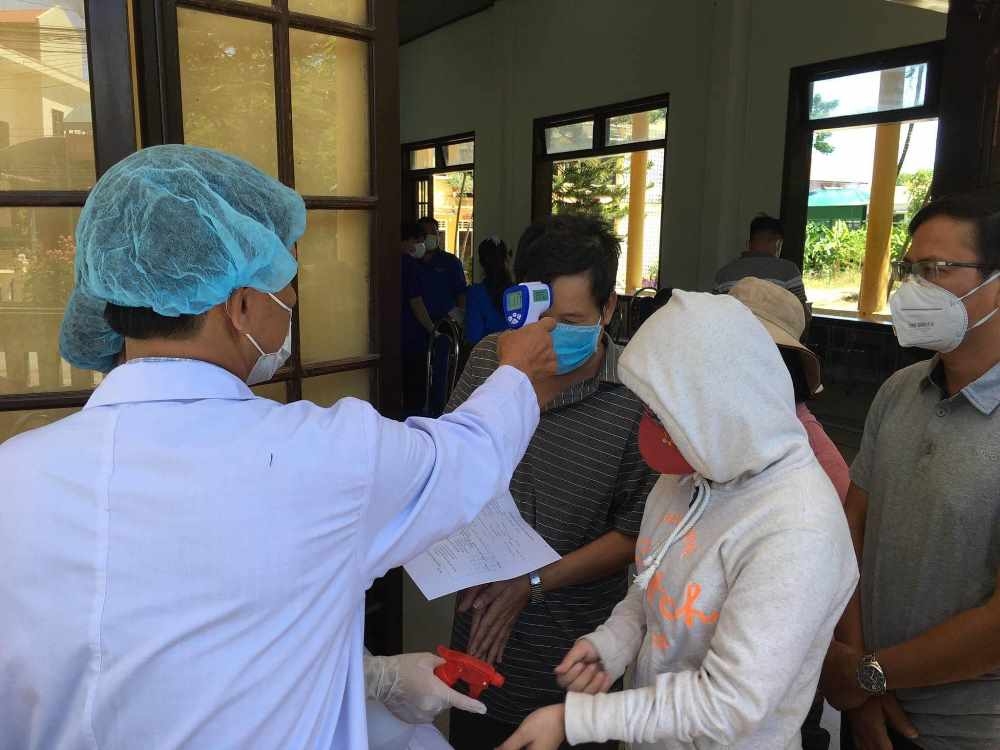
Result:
590,187
819,108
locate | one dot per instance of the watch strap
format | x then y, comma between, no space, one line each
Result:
537,593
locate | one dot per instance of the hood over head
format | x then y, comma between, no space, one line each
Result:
712,375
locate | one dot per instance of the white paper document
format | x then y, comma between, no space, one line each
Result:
497,546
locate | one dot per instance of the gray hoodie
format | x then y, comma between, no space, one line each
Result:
745,567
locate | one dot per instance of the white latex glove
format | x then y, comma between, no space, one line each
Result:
407,686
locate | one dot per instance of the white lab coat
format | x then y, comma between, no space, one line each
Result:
183,565
386,732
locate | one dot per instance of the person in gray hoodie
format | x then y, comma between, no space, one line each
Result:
745,559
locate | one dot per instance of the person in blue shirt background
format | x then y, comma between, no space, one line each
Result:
416,321
443,286
443,277
484,307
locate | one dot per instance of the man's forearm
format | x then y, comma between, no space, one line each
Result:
963,647
420,312
849,628
608,554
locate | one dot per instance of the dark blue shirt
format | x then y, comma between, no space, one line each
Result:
481,316
413,337
442,279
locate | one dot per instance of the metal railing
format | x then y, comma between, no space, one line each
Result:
450,330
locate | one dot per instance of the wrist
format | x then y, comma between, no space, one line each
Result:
378,681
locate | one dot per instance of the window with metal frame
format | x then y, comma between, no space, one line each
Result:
439,181
859,157
608,162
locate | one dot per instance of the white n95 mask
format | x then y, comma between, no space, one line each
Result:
268,364
931,317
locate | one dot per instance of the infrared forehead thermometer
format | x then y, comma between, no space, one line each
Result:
524,304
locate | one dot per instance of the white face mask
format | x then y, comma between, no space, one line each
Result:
431,242
419,250
268,364
928,316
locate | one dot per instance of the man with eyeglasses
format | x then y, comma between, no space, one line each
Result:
916,658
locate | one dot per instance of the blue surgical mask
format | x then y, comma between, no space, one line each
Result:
574,345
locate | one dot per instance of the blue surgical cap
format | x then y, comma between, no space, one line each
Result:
175,229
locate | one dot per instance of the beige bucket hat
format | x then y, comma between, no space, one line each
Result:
782,314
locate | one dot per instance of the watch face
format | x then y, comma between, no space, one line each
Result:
872,679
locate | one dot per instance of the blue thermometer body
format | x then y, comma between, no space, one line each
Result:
524,304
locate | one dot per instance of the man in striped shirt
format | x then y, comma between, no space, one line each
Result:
582,485
763,260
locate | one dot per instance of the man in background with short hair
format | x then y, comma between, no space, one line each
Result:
443,276
417,324
762,259
443,286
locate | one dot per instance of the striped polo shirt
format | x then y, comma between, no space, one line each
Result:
582,476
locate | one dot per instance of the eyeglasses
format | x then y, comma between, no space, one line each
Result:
931,270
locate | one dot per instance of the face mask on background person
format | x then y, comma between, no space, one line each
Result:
268,364
574,345
930,317
431,242
419,250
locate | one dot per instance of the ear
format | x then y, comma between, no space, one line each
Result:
237,309
609,309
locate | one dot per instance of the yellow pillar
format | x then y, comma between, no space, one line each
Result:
875,272
636,205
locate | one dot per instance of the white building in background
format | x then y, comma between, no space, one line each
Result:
46,131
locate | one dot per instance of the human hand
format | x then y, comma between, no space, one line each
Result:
545,729
529,350
581,670
869,723
839,680
495,609
407,686
464,600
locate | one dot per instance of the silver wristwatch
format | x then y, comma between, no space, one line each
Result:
871,678
537,594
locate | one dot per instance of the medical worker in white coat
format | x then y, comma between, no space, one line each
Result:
183,564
